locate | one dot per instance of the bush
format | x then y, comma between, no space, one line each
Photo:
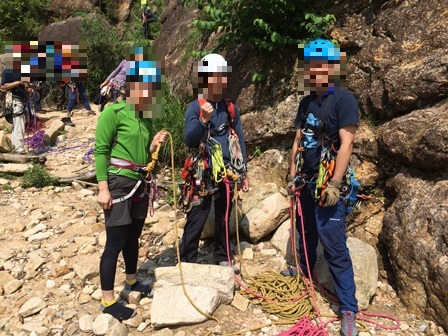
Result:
37,176
103,51
265,24
173,122
19,18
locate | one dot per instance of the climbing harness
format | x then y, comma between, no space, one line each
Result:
148,178
205,166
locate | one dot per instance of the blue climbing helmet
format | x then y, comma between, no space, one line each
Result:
321,50
146,69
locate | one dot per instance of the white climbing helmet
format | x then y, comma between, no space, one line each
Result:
213,63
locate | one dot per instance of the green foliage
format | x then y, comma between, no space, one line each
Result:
38,177
265,24
193,36
259,77
173,121
103,52
21,19
257,151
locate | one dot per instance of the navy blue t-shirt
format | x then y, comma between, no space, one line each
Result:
9,76
196,130
342,111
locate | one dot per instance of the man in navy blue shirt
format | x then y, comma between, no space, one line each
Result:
326,122
211,117
12,81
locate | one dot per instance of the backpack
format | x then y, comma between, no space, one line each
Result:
352,185
7,106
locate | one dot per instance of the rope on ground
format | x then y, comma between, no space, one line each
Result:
285,297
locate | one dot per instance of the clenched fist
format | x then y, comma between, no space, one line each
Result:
207,110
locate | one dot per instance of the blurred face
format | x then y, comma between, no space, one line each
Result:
140,94
217,84
319,74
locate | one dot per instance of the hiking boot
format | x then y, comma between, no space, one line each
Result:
68,122
290,271
348,323
236,270
91,112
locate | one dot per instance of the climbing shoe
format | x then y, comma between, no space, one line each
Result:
289,271
118,311
348,323
146,290
236,270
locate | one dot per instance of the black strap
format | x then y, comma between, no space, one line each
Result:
321,132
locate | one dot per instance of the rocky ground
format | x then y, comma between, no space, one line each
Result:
52,239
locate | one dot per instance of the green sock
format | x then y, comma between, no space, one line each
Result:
131,282
108,303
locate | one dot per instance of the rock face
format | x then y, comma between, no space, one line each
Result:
68,30
396,68
418,139
415,235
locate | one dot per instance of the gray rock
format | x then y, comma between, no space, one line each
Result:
32,306
266,217
365,268
84,267
12,286
103,323
118,329
218,278
5,143
52,132
281,236
171,307
86,323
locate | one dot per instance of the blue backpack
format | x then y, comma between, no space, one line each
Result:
352,190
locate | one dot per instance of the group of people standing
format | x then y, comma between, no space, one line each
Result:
326,121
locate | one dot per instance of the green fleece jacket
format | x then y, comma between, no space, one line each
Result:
120,134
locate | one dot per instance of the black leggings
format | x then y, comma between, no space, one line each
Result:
120,238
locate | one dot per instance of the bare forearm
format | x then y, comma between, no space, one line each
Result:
342,160
103,186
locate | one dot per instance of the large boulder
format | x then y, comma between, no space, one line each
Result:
217,277
68,31
67,8
365,267
207,286
414,236
419,139
266,175
265,217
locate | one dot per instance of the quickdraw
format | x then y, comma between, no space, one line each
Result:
326,171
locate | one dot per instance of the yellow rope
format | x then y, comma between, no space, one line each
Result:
173,173
155,156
